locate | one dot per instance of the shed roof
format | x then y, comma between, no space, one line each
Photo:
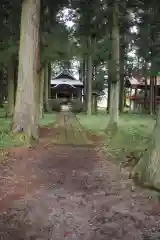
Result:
141,81
65,73
65,77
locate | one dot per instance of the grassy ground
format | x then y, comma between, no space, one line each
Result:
7,139
132,136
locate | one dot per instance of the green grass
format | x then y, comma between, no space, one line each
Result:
132,136
48,119
94,123
2,113
7,139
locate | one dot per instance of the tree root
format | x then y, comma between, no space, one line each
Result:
111,130
18,129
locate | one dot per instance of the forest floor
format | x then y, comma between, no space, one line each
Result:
65,188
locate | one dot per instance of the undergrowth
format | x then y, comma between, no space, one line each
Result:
8,139
133,133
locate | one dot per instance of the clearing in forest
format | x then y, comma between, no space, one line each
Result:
64,188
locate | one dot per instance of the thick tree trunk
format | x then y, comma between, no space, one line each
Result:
46,88
89,79
15,79
147,171
109,67
109,82
108,96
41,94
81,70
151,109
114,91
49,80
154,95
84,69
122,60
89,86
146,86
11,87
26,114
85,83
1,87
94,104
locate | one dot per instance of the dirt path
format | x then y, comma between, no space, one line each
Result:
69,130
70,192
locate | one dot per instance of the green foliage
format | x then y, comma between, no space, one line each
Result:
148,24
10,29
8,139
99,84
56,45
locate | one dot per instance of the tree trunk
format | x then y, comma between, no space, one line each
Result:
89,79
151,110
84,69
94,104
11,87
109,65
114,91
81,70
1,87
85,83
41,94
147,171
15,79
49,80
146,86
109,82
122,61
26,114
89,86
154,95
46,89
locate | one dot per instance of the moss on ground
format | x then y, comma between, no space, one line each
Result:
8,139
133,133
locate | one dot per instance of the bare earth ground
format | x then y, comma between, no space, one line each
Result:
69,191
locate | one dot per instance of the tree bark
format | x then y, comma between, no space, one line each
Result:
81,70
122,61
15,79
11,87
89,86
146,86
1,87
46,88
147,171
84,70
85,83
89,79
109,66
109,82
49,80
41,94
114,91
151,110
26,114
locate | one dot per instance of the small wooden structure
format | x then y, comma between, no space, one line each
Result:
143,95
65,89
